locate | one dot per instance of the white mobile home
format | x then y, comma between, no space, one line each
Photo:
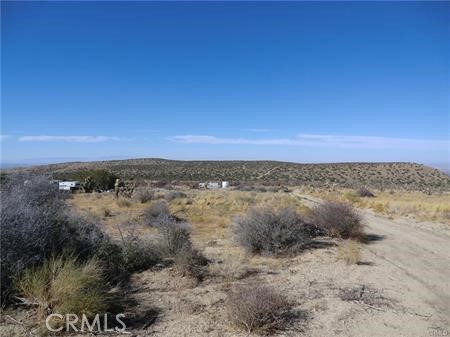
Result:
69,185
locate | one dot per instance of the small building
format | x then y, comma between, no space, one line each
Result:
212,185
69,185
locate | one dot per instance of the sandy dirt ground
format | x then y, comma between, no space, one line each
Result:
402,287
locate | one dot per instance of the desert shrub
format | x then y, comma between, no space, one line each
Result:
171,195
257,308
271,232
144,194
63,285
100,179
111,257
364,192
36,225
350,252
338,219
158,214
175,243
175,237
188,261
139,255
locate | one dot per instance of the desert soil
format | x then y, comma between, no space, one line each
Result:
402,287
403,282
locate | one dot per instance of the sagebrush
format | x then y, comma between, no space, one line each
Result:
257,308
338,219
272,232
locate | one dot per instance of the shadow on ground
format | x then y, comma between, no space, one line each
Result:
371,238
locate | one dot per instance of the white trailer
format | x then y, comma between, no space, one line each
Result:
212,185
69,185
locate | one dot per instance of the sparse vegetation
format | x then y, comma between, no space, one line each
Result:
271,232
192,238
365,295
230,268
350,252
338,219
257,308
407,176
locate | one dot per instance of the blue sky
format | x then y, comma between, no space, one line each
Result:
304,82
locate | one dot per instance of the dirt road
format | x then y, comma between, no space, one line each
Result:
414,264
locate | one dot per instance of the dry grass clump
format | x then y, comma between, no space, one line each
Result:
352,197
350,252
338,219
272,232
62,285
231,267
257,308
123,203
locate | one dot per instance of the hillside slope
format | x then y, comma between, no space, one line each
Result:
408,176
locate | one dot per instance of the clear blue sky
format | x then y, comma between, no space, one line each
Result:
305,82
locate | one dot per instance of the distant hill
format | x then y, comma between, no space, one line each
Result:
408,176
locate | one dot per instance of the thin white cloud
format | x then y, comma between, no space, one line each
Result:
71,139
259,130
3,137
322,140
